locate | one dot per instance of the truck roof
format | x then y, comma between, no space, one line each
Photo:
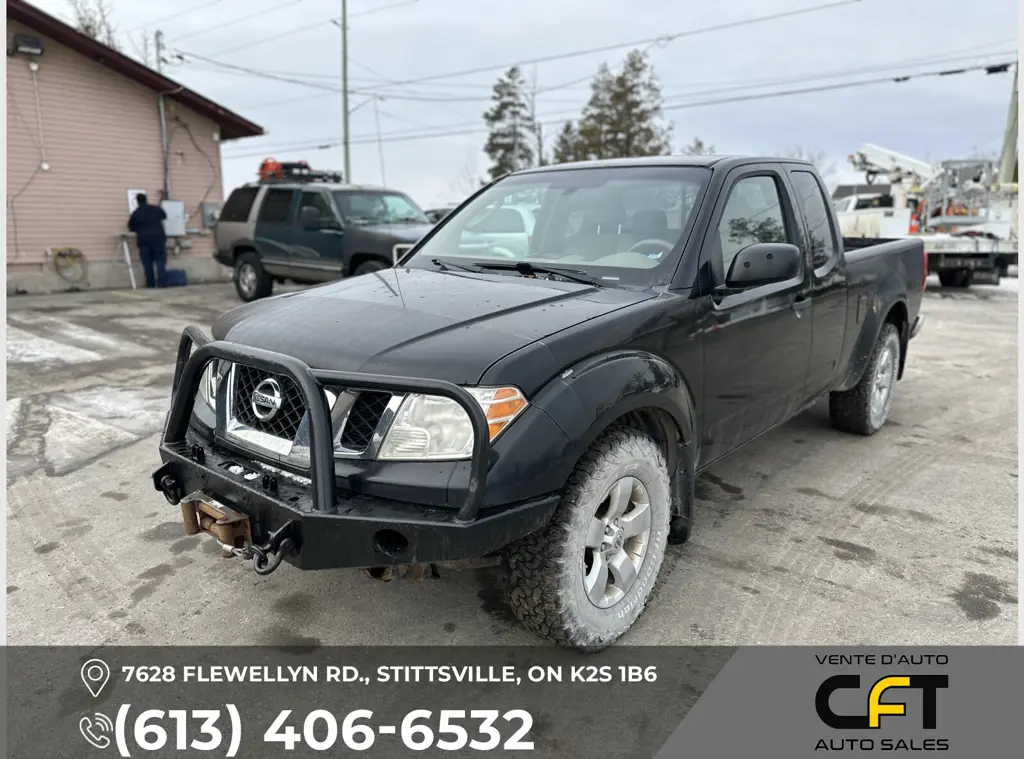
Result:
700,161
329,186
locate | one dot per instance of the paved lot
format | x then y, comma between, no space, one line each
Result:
805,537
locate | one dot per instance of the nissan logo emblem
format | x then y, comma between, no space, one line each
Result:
266,400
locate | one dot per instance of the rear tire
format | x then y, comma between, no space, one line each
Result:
367,267
956,278
584,580
864,408
251,281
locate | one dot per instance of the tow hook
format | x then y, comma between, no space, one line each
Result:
264,562
268,557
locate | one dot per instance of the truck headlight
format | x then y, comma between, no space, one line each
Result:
428,427
209,382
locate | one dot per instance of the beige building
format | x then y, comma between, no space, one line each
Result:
83,130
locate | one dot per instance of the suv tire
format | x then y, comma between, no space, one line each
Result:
863,409
570,582
367,267
251,282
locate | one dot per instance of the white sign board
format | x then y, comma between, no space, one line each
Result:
132,203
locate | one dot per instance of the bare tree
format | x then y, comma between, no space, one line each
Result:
143,48
819,159
468,180
698,147
93,19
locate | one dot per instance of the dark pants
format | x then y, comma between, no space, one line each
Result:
154,262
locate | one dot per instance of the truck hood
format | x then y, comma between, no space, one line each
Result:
410,322
396,233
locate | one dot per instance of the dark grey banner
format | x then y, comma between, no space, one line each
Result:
386,702
628,702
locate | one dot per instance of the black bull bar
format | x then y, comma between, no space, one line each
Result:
434,531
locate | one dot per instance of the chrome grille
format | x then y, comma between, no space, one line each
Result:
285,423
363,419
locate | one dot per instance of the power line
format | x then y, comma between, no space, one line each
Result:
315,25
179,14
723,86
397,137
668,105
664,38
239,19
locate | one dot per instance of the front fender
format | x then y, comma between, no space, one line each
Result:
585,399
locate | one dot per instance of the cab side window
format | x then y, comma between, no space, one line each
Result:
819,222
753,214
319,202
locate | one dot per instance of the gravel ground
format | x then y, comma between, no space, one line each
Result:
806,536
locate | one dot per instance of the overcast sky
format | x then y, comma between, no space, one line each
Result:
930,117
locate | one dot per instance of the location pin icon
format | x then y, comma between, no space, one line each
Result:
95,674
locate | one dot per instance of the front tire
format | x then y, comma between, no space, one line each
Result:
864,408
251,281
584,580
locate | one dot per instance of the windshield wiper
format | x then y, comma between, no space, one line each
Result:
526,268
445,267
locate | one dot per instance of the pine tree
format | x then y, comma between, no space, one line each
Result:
512,131
623,117
566,144
698,147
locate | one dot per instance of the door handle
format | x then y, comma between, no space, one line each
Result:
800,304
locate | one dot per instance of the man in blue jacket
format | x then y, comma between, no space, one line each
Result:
146,222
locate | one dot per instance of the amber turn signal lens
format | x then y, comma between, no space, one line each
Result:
501,406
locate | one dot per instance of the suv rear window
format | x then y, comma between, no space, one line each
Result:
239,204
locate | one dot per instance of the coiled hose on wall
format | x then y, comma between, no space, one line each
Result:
70,265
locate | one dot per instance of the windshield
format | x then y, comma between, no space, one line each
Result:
373,207
615,224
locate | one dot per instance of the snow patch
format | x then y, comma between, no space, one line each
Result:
13,416
26,348
91,338
74,439
139,411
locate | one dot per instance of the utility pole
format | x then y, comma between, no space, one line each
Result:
344,87
158,43
533,116
380,143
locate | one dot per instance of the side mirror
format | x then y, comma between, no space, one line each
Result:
764,263
310,217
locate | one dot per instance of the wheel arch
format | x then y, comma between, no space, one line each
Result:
634,389
358,259
894,312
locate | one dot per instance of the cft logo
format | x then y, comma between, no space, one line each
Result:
929,686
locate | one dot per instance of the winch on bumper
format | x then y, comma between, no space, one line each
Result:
258,511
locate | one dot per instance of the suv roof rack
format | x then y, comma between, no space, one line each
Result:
272,170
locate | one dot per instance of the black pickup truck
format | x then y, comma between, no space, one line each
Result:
551,402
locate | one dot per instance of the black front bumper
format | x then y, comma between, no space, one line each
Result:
328,528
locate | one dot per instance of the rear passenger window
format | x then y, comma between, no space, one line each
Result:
239,204
753,214
276,206
819,222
